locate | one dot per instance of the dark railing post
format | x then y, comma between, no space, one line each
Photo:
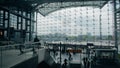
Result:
1,59
60,56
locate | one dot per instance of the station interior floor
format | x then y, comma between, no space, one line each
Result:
76,62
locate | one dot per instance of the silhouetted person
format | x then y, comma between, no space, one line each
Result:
64,64
54,52
70,56
94,60
34,52
37,40
85,61
21,49
88,64
65,61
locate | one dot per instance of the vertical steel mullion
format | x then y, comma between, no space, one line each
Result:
8,25
17,21
60,55
36,23
115,25
100,26
26,21
30,31
21,23
3,18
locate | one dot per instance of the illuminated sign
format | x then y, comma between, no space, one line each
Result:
76,51
1,33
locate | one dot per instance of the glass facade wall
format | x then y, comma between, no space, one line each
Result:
17,27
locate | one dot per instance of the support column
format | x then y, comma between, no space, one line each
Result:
115,25
115,29
30,28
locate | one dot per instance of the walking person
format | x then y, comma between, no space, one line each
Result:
88,63
64,64
21,49
70,56
85,62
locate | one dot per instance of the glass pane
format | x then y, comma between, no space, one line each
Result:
19,26
1,18
24,24
6,23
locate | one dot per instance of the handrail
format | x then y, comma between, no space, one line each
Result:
14,46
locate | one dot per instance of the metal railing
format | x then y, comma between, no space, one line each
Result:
15,53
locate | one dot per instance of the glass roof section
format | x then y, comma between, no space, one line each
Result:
47,8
